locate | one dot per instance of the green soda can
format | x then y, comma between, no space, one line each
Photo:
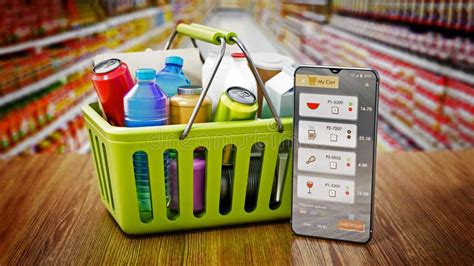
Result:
235,104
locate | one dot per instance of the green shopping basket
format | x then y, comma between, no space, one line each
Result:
113,149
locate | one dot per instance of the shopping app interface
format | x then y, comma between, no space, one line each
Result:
334,153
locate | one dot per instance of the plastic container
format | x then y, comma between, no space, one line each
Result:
233,72
199,178
280,89
182,105
171,77
145,104
268,65
113,149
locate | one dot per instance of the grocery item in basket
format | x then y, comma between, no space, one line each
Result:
145,104
182,105
171,77
142,183
199,176
235,104
112,80
233,72
268,65
225,199
280,91
253,179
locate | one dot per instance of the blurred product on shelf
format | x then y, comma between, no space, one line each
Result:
453,14
426,72
83,13
409,94
34,112
26,68
72,137
114,7
316,10
24,20
457,51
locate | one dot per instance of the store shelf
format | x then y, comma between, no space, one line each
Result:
406,131
406,21
415,60
307,2
313,54
285,48
37,86
49,129
99,27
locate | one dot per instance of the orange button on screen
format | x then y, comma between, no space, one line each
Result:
349,225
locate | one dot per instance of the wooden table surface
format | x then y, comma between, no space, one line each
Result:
50,212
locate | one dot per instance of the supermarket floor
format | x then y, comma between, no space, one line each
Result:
244,25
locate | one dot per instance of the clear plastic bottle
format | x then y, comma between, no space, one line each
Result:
171,77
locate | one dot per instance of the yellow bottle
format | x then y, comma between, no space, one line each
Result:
183,103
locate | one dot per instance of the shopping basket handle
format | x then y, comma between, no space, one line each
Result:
228,35
218,37
201,34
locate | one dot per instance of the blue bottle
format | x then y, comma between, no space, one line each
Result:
145,105
172,76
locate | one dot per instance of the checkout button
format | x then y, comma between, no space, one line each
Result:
351,225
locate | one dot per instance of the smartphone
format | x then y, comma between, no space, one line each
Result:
335,138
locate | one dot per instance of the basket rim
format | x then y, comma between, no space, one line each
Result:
98,124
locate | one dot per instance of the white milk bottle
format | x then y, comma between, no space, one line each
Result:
233,71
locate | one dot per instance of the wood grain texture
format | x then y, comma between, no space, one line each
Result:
50,213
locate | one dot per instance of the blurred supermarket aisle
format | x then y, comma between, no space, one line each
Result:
246,28
425,58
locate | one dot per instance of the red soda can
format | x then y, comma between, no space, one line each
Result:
112,81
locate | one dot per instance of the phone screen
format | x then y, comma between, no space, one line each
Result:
335,129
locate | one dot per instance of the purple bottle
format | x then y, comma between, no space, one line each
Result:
199,176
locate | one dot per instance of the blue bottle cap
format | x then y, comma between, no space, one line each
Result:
176,60
145,74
